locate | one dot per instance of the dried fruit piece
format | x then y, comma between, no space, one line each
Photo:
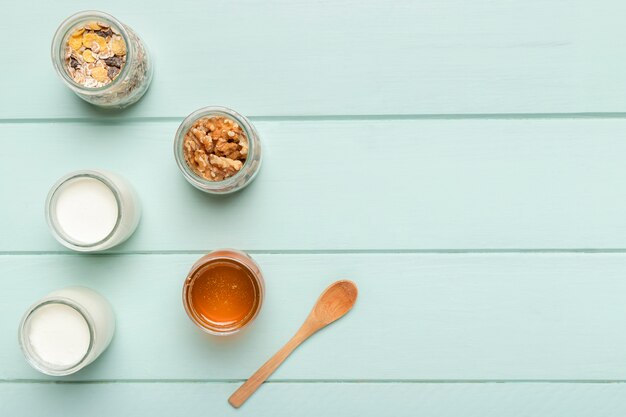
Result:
105,33
114,61
112,72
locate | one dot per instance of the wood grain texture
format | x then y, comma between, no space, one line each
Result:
313,400
284,57
419,317
346,185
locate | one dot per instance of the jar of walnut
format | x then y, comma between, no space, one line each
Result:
217,150
102,60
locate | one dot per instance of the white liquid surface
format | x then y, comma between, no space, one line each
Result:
59,335
86,210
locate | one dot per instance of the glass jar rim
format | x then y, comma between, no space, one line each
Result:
58,232
216,256
25,344
62,34
184,127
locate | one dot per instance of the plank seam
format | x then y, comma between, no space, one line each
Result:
335,252
321,381
339,117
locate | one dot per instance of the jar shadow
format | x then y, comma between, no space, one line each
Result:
221,200
197,198
116,113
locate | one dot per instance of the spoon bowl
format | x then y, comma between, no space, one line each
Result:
334,303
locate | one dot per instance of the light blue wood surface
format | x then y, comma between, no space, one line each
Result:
463,162
429,184
320,399
321,57
419,316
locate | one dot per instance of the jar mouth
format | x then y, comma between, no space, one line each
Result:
51,217
62,34
29,353
195,179
257,281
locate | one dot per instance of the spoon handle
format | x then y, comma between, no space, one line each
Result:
250,386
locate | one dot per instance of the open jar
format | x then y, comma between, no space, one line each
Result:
102,60
92,210
223,292
217,150
66,330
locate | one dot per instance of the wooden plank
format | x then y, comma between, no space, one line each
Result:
312,400
345,185
317,57
419,316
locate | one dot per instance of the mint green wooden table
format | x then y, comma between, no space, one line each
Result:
462,161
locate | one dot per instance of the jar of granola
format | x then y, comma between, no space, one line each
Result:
217,150
102,60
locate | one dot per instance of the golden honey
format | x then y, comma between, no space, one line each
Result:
223,292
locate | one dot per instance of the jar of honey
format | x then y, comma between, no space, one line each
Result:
223,292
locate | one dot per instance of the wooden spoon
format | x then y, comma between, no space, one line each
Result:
335,301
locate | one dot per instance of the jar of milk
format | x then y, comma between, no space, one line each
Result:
92,210
66,330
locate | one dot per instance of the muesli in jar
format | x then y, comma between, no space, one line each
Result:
103,61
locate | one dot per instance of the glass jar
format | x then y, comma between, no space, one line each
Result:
131,82
92,210
66,330
223,293
239,180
